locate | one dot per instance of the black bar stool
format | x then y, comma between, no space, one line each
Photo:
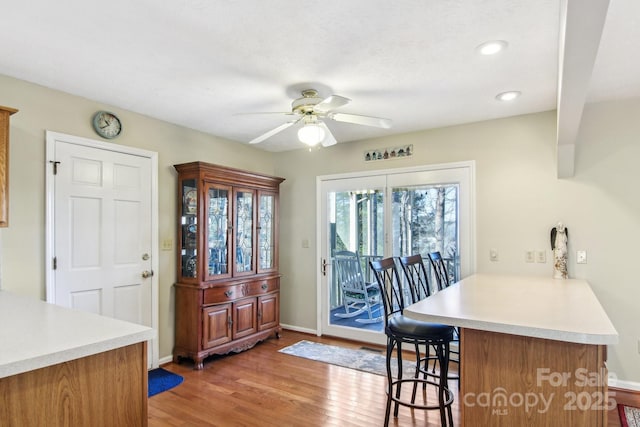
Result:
418,280
401,329
444,281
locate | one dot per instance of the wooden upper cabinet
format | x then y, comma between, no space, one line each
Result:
5,112
228,223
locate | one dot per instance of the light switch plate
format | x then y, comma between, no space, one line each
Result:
167,244
541,257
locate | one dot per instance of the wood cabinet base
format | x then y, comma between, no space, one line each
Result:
512,380
106,389
228,317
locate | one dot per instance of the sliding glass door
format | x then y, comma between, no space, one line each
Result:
381,214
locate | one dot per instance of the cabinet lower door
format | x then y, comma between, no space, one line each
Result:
245,317
268,311
217,325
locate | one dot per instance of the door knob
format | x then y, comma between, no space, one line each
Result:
147,273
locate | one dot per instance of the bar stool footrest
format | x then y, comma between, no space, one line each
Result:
448,394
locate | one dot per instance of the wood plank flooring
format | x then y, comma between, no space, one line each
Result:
262,387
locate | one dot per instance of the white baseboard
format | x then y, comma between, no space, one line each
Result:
299,329
627,385
165,360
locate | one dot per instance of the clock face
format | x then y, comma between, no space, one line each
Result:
106,124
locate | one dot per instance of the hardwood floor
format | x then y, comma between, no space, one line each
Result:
262,387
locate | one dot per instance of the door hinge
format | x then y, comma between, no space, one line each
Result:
55,166
55,263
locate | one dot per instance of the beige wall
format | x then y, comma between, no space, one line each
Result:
518,197
22,266
518,200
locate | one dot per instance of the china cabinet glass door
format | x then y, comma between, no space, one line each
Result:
267,256
189,231
243,232
218,210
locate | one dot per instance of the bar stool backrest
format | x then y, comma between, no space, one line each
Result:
388,281
439,270
417,277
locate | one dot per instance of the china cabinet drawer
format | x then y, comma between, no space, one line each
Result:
224,294
260,287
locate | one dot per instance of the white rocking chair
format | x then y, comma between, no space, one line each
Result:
358,296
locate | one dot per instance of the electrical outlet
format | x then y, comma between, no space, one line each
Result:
529,256
581,257
541,257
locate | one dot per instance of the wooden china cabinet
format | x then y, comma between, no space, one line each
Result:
228,289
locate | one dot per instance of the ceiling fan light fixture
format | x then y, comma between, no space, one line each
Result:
313,111
311,134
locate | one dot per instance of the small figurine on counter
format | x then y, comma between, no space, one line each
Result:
559,236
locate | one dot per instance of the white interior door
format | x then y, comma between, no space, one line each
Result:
102,223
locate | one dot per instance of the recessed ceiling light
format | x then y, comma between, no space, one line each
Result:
508,96
492,47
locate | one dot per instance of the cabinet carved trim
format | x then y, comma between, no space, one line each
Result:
5,112
228,289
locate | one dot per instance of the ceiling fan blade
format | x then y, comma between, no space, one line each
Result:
272,132
287,113
330,103
361,120
329,139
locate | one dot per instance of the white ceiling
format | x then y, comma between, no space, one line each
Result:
197,63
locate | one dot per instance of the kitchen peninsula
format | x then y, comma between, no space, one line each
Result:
533,349
66,367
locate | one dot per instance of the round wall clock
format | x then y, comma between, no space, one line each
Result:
107,124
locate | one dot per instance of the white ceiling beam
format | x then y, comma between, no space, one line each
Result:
581,25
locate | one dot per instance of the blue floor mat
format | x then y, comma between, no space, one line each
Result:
162,380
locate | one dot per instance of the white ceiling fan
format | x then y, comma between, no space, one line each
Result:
311,111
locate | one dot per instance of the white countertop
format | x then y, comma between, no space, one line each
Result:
35,334
563,310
